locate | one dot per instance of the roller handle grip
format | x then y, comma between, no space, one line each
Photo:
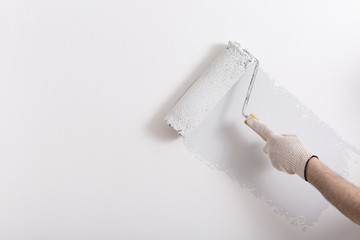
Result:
257,132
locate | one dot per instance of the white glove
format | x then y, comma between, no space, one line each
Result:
287,152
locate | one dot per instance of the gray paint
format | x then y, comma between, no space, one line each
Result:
224,142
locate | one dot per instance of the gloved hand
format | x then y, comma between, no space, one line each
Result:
287,152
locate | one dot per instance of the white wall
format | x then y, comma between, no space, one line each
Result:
84,86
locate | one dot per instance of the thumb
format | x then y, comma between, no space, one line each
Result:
260,128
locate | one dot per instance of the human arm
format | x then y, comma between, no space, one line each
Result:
288,154
342,194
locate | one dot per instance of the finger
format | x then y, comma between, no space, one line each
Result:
288,135
266,149
260,128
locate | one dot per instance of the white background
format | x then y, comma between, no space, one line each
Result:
84,87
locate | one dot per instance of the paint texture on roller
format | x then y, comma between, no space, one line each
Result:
208,89
224,142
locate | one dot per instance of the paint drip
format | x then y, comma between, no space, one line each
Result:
224,142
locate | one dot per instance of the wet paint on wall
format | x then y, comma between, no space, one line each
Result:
224,142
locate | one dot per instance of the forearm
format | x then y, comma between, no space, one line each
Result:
342,194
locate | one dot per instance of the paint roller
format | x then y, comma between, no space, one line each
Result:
208,89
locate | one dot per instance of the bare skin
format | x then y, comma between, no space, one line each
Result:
343,195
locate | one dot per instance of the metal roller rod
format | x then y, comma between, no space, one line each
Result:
251,84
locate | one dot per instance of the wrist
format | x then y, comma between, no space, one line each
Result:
312,167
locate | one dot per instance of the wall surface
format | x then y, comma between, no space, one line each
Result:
84,88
